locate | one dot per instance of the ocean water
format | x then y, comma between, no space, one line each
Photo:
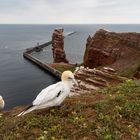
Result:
20,80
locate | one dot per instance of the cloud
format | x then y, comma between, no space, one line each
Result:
70,11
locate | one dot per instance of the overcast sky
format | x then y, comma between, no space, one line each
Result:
69,11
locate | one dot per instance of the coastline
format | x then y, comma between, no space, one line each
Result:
79,112
54,69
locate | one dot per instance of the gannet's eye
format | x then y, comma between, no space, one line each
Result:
69,78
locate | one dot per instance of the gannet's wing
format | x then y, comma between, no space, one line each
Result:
48,94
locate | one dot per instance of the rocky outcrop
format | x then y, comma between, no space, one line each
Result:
120,51
58,46
94,79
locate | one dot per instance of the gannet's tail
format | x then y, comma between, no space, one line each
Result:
27,110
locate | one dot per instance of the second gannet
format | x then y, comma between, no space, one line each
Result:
2,103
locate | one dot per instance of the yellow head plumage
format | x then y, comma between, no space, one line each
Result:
68,76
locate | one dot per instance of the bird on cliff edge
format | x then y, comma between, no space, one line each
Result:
54,94
2,103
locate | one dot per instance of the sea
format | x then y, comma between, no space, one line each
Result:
21,80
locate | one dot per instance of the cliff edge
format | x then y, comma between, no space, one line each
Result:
112,113
120,51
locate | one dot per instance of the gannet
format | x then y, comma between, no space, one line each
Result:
2,103
54,94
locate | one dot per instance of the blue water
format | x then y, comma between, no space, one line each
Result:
20,80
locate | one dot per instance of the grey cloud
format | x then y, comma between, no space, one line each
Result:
68,11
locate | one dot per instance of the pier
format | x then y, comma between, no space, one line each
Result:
28,55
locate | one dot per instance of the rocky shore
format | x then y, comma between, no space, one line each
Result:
110,58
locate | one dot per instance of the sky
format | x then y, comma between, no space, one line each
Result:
69,11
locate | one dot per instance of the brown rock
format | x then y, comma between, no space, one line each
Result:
94,79
120,51
59,55
58,46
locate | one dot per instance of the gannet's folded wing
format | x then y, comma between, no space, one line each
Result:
48,94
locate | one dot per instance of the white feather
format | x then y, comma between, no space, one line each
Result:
48,94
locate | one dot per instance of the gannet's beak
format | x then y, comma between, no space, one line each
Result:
75,82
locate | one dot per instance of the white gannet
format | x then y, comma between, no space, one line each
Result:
2,103
54,94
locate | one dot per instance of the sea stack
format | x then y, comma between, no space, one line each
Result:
58,46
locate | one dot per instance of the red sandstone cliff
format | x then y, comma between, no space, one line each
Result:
58,46
120,51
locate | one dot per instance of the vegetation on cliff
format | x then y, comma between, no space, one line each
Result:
108,114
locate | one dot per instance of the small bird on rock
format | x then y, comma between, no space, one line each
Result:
54,94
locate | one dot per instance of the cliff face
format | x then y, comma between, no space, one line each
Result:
58,46
120,51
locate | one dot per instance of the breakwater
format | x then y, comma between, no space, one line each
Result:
41,64
28,55
38,47
70,33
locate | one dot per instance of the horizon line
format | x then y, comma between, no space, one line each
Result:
67,23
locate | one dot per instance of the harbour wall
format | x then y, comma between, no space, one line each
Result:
28,55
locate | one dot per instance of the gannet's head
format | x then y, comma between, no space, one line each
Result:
69,77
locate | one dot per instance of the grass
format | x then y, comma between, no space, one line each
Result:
110,114
63,68
130,68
